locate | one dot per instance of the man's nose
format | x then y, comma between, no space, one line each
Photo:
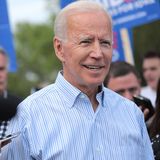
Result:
97,50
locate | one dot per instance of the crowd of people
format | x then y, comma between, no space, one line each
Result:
89,112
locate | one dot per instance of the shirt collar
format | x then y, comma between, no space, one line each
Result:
67,90
70,92
100,95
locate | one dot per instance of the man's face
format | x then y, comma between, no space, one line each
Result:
87,54
127,85
3,72
151,72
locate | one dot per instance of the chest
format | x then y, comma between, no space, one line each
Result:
79,134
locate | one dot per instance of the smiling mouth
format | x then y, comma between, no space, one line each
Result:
93,67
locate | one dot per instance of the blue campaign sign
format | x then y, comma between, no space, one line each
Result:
122,46
130,13
63,3
117,47
6,39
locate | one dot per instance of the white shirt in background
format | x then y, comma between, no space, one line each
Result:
148,92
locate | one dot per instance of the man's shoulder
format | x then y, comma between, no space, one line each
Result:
115,100
115,97
121,105
112,94
42,93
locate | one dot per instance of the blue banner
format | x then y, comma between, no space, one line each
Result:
130,13
122,46
6,38
117,47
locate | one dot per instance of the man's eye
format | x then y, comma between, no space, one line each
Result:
133,90
85,42
121,92
106,43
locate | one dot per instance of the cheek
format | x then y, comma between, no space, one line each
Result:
108,57
71,61
146,73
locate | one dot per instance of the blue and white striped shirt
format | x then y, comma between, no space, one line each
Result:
58,123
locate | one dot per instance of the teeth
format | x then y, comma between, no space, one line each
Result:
93,67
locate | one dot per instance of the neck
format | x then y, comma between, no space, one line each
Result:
92,96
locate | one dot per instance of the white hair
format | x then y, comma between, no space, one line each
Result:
81,6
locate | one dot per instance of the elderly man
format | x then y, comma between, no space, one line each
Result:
77,118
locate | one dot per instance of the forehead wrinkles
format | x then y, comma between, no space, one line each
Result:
85,23
77,37
86,33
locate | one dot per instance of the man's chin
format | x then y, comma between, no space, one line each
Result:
95,84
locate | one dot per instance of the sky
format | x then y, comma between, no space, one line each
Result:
34,11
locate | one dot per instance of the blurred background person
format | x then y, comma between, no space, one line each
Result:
8,102
151,74
155,126
124,79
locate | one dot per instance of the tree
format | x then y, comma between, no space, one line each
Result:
35,57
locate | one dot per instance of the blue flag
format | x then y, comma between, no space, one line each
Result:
6,38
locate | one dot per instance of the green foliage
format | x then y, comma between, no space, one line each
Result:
35,57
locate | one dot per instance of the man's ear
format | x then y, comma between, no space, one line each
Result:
58,48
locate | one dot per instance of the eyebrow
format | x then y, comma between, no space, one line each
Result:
92,38
128,89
